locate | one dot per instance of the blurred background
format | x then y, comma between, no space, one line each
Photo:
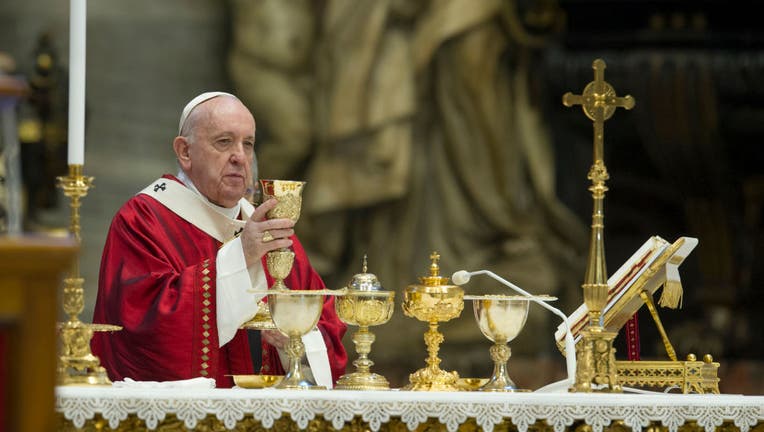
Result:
426,126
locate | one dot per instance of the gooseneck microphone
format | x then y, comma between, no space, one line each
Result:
461,277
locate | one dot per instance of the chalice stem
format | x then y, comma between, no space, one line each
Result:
363,340
500,380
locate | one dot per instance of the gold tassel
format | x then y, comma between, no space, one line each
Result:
672,294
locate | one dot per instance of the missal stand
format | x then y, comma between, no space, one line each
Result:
654,265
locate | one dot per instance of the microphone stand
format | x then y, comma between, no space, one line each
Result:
462,276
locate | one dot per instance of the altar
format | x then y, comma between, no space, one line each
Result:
94,408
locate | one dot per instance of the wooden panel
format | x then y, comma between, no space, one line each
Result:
31,269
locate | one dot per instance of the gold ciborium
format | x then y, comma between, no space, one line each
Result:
364,303
295,313
279,262
500,318
433,301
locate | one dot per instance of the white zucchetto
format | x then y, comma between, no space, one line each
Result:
196,101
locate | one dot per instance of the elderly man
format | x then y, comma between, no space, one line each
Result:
182,257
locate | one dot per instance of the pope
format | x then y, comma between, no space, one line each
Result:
183,257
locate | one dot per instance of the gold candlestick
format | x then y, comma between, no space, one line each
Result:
77,364
595,354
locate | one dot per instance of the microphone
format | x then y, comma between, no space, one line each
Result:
461,277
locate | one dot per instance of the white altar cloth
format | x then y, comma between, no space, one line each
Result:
79,404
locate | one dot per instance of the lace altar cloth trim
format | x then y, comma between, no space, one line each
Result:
79,404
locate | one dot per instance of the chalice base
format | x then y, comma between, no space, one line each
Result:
298,381
500,380
501,383
429,379
362,381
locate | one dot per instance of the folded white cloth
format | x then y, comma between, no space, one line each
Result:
198,383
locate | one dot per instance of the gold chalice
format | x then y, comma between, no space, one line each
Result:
433,301
289,196
295,313
500,319
279,262
364,303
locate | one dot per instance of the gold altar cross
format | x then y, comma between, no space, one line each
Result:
595,355
598,100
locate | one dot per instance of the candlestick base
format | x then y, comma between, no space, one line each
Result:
77,365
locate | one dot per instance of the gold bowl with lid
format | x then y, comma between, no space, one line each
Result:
364,303
434,300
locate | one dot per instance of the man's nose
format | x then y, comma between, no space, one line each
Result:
238,154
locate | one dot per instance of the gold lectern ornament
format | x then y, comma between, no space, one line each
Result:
595,355
364,303
279,262
433,301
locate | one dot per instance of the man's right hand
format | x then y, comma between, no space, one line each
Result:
262,235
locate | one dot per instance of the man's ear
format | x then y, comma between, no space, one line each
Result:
182,151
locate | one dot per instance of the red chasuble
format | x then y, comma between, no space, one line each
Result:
157,281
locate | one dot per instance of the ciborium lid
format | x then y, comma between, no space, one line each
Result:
364,281
434,282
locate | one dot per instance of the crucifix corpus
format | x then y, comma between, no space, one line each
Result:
595,356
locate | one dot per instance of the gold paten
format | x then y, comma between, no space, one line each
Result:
76,364
433,301
595,356
256,381
470,384
364,303
279,262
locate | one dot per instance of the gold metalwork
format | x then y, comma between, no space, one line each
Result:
690,376
364,304
279,262
295,313
289,195
595,354
433,301
256,381
76,363
262,319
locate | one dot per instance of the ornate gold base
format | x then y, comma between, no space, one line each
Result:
77,365
362,381
432,379
596,369
691,376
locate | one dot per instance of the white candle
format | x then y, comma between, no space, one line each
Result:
77,21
